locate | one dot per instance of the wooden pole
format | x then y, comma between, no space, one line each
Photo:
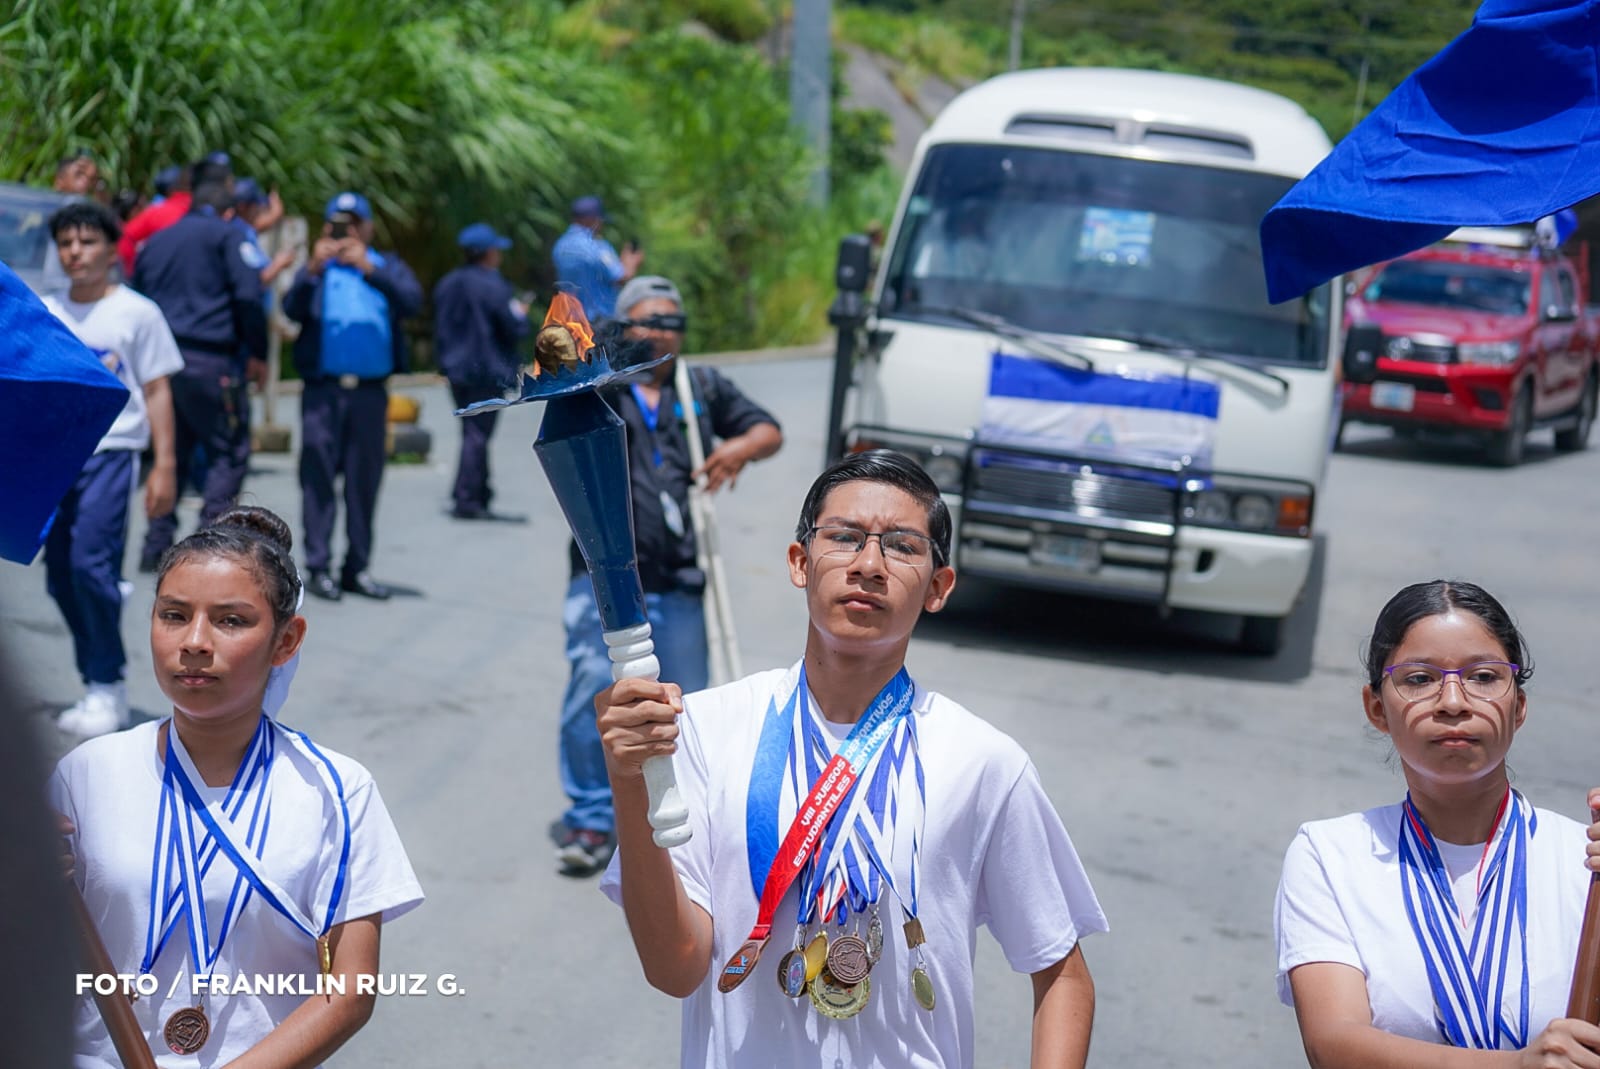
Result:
115,1009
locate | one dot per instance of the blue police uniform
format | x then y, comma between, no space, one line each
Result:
590,264
345,364
211,298
477,327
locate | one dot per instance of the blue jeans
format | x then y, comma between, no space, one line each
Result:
678,629
83,562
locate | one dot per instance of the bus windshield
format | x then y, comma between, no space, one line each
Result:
1099,246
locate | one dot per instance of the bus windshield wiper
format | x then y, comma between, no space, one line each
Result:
1035,342
1190,354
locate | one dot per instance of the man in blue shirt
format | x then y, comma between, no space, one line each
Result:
587,262
477,323
349,300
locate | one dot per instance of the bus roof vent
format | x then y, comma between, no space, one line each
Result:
1206,142
1070,127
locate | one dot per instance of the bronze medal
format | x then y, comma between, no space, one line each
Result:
922,988
816,956
740,966
914,936
836,1000
849,960
187,1030
792,973
875,938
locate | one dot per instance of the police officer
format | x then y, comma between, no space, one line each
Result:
211,298
477,323
349,300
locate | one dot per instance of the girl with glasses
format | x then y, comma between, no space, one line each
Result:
1451,919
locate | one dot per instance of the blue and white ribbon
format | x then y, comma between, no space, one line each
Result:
1471,979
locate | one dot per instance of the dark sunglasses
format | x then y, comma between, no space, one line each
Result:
678,323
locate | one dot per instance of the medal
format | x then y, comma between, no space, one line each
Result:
836,1000
922,988
792,973
849,961
816,955
187,1030
875,937
739,967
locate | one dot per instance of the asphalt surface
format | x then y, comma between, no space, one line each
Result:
1180,766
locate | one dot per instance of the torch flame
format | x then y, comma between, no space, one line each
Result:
565,310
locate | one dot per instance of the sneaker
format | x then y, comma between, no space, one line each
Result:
588,853
561,833
104,709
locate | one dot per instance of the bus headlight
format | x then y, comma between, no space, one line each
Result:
944,459
1240,503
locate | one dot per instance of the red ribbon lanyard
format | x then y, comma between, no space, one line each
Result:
802,839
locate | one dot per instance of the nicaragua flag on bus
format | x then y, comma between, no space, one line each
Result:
1500,128
1163,420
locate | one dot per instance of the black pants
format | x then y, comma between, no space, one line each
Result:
211,408
472,492
341,436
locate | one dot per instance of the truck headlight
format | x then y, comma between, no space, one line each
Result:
1254,511
944,459
1491,353
1239,503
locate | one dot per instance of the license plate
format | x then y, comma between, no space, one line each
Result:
1395,396
1065,551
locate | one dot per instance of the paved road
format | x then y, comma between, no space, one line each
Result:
1180,766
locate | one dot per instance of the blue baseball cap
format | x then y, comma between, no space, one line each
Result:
588,207
482,236
348,203
219,158
167,179
249,191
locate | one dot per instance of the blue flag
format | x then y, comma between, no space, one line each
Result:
1500,128
57,400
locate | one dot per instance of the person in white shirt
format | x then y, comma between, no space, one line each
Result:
84,550
905,821
1442,931
244,868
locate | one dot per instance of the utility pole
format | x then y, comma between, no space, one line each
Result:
810,81
1014,58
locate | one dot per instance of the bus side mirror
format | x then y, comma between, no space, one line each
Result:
852,271
1362,346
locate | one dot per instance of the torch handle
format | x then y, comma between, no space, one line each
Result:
126,1035
1584,1002
633,657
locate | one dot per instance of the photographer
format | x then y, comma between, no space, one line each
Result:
349,300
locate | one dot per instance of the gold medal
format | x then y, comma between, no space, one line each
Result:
849,960
816,956
792,973
325,953
741,965
922,988
836,1000
187,1030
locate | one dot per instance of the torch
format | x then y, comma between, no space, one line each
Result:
1584,1001
582,446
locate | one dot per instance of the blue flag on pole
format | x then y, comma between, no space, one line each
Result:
1500,128
57,400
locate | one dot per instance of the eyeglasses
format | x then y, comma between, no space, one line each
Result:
674,323
903,547
1485,681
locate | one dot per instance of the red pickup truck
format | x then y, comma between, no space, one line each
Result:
1484,334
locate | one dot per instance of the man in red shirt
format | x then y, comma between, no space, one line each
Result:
158,217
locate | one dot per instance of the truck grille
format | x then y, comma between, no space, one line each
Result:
1430,350
1070,487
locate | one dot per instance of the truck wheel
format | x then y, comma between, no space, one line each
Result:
1262,635
1506,447
1576,437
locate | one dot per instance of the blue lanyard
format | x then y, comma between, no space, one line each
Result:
651,415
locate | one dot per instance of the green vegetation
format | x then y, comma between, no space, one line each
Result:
446,111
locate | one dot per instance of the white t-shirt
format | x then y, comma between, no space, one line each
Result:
994,853
128,333
1340,901
110,788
